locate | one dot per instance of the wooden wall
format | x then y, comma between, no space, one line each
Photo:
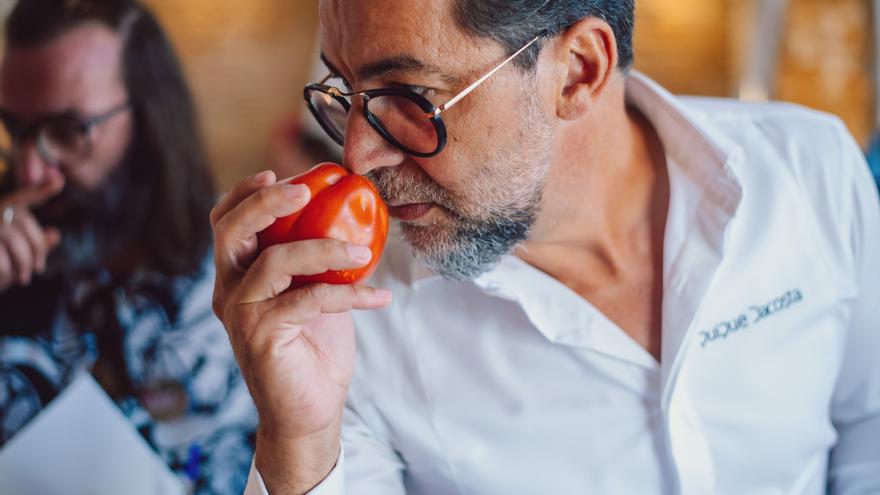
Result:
826,60
686,45
248,60
699,46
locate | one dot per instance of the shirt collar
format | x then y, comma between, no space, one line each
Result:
704,154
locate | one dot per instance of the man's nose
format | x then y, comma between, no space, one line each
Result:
31,168
365,149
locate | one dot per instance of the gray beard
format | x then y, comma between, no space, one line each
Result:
464,246
480,230
474,246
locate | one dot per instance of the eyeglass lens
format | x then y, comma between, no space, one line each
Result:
59,142
401,118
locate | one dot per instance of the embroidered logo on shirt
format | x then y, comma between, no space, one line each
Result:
754,315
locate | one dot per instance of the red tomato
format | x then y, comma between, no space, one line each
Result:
344,207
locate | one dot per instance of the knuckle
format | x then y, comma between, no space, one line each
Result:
274,255
263,263
317,292
266,197
309,299
355,292
335,247
215,213
360,290
217,305
221,228
20,250
243,186
222,236
306,253
38,241
302,311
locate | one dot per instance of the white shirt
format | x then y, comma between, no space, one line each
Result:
769,380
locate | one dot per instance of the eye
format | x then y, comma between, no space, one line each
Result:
422,91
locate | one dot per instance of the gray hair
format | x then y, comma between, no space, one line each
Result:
514,22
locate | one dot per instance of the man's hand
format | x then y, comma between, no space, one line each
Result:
296,348
24,243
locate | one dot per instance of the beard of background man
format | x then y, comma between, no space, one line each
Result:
93,223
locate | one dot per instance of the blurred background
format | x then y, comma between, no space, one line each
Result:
247,62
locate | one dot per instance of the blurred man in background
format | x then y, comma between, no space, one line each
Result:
104,237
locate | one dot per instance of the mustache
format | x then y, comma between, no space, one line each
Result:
399,186
68,208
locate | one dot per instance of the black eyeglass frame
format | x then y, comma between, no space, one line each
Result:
82,125
432,112
340,97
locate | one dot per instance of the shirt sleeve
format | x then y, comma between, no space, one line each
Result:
855,409
372,464
367,465
333,484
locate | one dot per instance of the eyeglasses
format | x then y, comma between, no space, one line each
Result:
406,119
60,139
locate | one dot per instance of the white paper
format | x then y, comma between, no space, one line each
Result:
82,444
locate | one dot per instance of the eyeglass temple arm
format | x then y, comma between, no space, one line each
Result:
455,99
100,119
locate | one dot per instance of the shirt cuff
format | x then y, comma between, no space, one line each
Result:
333,484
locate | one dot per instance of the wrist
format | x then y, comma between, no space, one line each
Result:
296,464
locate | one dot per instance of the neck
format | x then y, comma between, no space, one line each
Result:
606,196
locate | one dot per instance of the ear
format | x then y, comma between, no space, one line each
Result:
587,51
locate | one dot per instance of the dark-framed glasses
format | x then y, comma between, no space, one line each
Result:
406,119
60,139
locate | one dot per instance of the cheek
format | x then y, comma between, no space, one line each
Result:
86,177
491,137
494,149
471,154
452,171
108,149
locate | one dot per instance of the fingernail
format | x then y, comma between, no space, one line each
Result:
295,190
383,294
359,253
260,177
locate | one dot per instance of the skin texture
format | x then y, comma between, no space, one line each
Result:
562,137
78,71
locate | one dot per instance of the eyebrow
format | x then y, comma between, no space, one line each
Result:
397,63
53,116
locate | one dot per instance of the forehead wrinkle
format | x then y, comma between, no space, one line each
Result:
403,62
368,42
358,34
